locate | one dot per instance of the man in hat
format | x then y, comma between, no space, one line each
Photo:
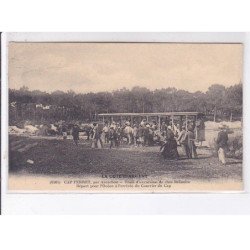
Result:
221,142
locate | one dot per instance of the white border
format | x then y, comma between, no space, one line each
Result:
188,203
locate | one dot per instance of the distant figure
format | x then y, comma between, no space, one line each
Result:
154,126
128,133
113,138
182,139
119,134
106,133
169,148
113,125
88,130
64,131
127,123
75,134
141,135
146,135
200,131
191,148
191,125
135,135
143,122
222,145
163,128
177,130
97,142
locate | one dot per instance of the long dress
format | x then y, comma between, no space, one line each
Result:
169,148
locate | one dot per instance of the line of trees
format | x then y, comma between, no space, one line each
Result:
217,102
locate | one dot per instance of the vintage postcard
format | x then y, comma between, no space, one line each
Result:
125,117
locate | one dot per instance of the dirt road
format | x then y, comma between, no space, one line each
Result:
62,158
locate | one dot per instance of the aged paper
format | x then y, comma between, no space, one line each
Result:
125,117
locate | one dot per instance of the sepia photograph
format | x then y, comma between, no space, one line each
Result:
125,117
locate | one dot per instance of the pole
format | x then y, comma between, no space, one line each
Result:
196,130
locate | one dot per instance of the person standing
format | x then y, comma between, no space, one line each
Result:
141,135
200,130
163,128
106,133
143,122
154,125
135,135
118,134
182,139
146,135
96,143
64,131
169,148
75,134
221,141
191,148
113,138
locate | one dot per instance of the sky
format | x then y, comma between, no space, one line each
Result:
94,67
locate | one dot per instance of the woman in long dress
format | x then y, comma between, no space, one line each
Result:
169,148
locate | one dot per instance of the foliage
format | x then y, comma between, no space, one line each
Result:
218,100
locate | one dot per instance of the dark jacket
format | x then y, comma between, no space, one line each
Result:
75,132
222,139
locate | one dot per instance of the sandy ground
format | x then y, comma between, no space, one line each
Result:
55,157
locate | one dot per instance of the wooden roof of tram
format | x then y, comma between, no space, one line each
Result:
153,114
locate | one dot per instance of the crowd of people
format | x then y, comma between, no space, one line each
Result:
167,135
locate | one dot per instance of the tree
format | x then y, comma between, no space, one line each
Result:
218,101
215,98
233,100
